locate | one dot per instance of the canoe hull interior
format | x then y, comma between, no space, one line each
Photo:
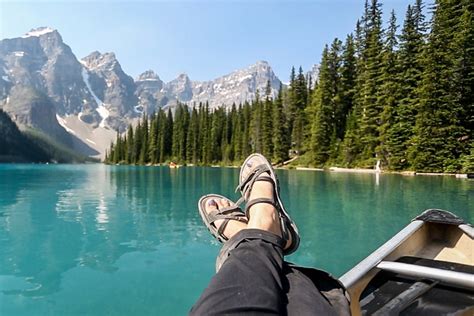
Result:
446,239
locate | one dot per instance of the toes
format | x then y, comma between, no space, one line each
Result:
220,203
225,202
251,164
211,205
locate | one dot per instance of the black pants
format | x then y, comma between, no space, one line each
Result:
254,279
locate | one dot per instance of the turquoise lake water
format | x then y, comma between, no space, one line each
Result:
118,240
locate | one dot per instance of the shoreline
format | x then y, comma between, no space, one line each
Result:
330,169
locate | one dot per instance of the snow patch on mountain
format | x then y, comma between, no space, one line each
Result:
38,32
101,109
104,114
85,77
63,123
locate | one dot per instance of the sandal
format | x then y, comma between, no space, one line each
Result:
232,212
288,227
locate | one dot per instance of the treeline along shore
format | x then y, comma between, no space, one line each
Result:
401,94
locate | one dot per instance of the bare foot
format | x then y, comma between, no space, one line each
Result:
233,227
262,215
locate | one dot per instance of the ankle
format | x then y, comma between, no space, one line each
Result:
264,217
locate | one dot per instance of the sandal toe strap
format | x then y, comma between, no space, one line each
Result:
227,214
245,187
250,178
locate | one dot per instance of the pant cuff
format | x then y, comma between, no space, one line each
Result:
246,235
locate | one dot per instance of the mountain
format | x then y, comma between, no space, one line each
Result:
16,147
113,90
31,145
237,87
148,92
83,103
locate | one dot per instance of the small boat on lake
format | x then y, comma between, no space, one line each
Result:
425,269
173,165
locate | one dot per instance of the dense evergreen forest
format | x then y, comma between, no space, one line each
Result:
22,146
399,94
15,146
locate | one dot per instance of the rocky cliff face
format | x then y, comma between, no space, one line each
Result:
44,86
112,88
40,60
148,91
237,87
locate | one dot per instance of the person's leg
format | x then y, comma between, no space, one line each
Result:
254,278
250,280
313,292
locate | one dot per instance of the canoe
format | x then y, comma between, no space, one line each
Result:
173,165
425,269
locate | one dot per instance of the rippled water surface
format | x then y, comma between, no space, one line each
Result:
107,240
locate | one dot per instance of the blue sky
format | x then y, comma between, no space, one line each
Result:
204,39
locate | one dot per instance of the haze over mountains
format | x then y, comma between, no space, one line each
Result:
82,103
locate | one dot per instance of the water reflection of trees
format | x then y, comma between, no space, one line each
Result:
89,216
343,217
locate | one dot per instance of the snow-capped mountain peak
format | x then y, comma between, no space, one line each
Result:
44,86
37,32
148,75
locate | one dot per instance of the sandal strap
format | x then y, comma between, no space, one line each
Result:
250,178
227,214
245,187
257,201
220,230
283,220
212,217
224,211
248,188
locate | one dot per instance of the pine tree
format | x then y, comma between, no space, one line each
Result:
130,145
347,83
339,111
256,123
369,119
409,76
192,142
389,95
144,141
153,140
115,151
281,141
322,113
437,141
206,141
298,99
464,40
237,131
246,141
166,136
267,125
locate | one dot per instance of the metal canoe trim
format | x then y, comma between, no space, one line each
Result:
447,277
363,267
468,229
